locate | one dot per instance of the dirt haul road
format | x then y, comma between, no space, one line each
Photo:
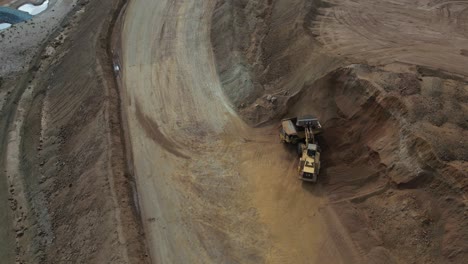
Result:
209,190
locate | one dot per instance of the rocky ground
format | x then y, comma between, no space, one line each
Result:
173,155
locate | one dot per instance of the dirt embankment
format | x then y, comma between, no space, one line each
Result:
70,198
266,54
395,148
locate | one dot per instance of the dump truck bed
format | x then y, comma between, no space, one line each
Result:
289,127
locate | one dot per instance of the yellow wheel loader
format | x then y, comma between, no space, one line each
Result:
309,161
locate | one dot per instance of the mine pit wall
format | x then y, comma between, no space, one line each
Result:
377,158
399,191
264,50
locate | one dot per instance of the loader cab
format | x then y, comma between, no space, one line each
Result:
312,150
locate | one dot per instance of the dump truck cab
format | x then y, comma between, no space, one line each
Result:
290,133
309,163
293,129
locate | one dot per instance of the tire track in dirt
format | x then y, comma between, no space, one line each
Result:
152,130
192,208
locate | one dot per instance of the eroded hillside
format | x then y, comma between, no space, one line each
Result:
388,82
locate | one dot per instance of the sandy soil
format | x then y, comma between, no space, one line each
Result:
175,142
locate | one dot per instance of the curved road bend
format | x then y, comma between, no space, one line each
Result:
211,189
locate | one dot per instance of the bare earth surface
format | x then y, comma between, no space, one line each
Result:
153,136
